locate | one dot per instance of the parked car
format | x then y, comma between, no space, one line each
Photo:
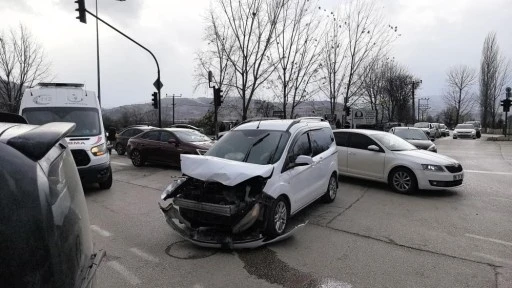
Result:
444,130
123,137
243,191
478,127
186,126
166,145
387,158
45,231
416,137
428,128
464,131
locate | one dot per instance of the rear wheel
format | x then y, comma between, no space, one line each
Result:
403,180
137,158
120,149
332,190
277,217
478,134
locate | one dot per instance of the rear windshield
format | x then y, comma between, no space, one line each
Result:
191,136
87,120
465,126
421,125
411,134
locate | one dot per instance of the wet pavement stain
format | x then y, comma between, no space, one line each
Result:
186,250
264,264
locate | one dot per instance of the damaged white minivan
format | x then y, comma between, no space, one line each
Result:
243,191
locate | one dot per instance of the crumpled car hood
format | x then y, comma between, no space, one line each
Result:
227,172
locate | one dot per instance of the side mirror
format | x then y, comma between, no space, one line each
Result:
303,160
373,148
433,139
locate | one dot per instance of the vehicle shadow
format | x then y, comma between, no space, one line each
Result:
385,188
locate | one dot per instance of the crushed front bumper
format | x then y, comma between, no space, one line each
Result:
212,238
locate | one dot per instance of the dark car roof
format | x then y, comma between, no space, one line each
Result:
144,128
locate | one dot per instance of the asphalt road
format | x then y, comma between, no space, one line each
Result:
369,237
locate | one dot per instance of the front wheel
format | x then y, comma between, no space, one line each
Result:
403,180
277,217
107,183
332,190
137,158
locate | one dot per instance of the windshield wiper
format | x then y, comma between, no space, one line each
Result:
254,144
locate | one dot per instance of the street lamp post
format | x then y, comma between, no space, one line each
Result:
414,83
98,52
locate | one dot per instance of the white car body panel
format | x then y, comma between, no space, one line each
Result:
377,166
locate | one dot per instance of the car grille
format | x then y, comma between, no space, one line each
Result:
81,157
454,168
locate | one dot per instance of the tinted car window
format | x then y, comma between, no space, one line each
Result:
301,147
341,139
320,140
128,133
360,141
152,135
166,136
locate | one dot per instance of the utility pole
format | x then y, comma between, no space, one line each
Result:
173,105
98,55
414,83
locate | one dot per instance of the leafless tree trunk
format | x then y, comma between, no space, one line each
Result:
22,64
494,76
296,53
356,36
251,25
460,79
373,84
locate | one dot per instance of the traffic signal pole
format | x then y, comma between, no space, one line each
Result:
158,84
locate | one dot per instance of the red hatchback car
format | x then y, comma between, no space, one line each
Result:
166,145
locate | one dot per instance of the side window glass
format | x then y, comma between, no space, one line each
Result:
360,141
301,147
166,136
153,135
320,140
341,139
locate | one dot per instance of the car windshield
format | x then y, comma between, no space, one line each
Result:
411,134
87,120
421,125
252,146
465,126
393,143
191,136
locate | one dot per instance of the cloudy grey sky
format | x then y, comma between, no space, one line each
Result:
436,34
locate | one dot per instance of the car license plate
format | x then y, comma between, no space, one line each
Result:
457,177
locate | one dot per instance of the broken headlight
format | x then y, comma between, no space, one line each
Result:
175,184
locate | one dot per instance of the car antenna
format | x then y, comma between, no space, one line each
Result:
258,125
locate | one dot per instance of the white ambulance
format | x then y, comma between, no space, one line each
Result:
69,102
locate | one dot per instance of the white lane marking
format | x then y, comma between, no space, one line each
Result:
100,231
488,172
500,198
493,258
119,163
123,271
144,255
333,283
489,239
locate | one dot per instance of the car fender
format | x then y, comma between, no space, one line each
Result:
397,163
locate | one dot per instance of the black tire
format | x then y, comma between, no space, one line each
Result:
403,180
478,134
120,149
107,183
454,137
137,158
332,189
278,212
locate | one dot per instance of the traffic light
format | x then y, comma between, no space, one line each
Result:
217,97
155,100
506,105
347,111
81,11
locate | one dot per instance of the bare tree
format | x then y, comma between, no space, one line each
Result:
494,76
374,82
460,79
251,25
356,36
296,54
22,64
397,93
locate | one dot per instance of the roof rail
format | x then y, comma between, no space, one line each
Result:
304,119
47,84
311,118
